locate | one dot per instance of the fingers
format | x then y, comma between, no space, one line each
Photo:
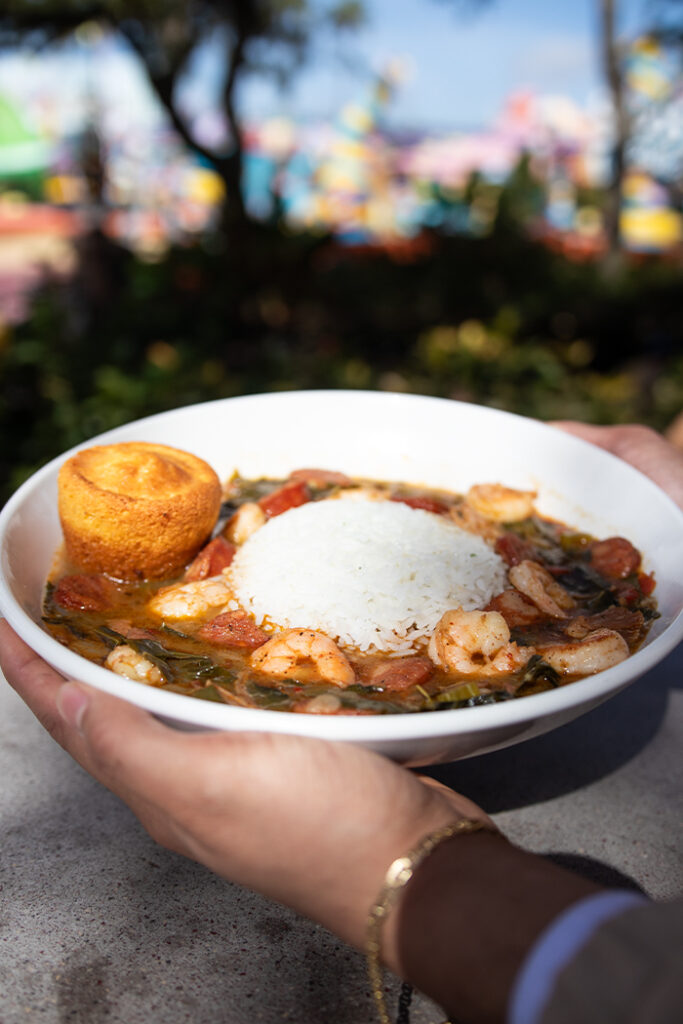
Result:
121,745
126,748
35,682
282,814
60,707
642,447
130,753
615,439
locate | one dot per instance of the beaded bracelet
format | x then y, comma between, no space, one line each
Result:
399,874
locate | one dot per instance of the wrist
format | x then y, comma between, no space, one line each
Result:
382,932
477,902
340,887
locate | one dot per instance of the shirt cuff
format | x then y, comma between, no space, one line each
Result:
557,945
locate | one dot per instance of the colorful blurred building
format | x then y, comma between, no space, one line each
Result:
351,177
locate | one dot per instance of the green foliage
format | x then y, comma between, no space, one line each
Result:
497,320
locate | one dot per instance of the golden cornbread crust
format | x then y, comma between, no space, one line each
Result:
136,510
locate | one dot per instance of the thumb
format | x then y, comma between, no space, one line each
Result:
122,745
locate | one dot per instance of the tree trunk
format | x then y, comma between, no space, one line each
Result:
620,125
233,216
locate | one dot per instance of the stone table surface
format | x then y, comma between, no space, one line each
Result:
98,924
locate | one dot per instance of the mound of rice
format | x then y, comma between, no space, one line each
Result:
373,575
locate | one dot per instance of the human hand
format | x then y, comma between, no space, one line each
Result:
311,824
640,446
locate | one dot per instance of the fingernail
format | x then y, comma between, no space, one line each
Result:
71,704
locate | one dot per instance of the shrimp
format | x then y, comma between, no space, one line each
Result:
304,654
475,644
323,704
190,600
598,650
361,493
464,516
247,520
127,662
502,504
536,583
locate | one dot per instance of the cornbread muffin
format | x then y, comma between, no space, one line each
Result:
136,510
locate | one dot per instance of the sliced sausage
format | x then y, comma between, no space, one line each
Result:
428,504
211,560
233,629
85,593
289,496
399,674
615,557
514,549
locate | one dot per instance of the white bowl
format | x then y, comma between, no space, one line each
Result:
420,440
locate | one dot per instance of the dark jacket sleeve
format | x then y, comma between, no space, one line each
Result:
629,972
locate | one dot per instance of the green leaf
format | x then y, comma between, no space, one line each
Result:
267,696
538,676
209,693
457,694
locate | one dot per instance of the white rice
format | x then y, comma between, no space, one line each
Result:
373,575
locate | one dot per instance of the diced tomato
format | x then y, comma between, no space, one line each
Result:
646,582
286,497
85,593
625,593
428,504
233,629
615,557
320,477
513,549
211,560
398,674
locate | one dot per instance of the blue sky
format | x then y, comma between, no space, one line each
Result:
464,60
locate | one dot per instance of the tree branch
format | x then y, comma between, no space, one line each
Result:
164,88
59,24
615,81
235,63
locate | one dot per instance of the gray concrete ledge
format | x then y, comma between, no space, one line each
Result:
98,924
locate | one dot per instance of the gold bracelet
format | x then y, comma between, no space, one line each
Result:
399,874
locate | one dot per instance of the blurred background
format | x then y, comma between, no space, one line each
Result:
476,199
